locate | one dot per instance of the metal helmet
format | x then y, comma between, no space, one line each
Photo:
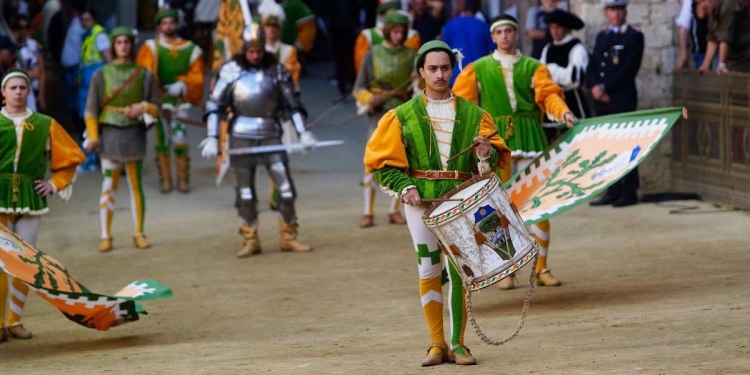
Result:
253,36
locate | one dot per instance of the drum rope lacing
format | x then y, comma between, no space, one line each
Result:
524,312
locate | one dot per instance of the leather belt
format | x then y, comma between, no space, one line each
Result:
440,175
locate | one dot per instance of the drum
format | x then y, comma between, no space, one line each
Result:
482,234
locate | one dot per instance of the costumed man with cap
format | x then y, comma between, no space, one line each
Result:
567,59
177,65
407,155
518,91
383,83
272,17
374,35
611,76
123,103
255,87
31,143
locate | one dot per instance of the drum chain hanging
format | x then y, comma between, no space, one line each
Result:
524,312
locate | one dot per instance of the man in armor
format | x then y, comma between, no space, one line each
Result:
254,86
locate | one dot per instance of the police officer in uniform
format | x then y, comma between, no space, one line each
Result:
611,78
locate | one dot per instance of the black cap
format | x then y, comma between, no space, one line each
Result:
565,19
6,43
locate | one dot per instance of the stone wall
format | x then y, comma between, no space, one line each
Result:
654,19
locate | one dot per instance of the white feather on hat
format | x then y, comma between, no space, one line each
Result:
271,8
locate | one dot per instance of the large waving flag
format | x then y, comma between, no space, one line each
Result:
586,160
52,282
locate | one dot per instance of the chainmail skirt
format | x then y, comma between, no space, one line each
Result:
122,143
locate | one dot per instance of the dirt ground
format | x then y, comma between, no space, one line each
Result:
644,291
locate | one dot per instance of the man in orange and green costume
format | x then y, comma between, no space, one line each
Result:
373,36
517,91
177,65
30,143
407,155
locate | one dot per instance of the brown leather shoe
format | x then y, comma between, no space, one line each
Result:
507,283
545,278
18,332
366,221
436,359
463,359
105,244
140,241
396,218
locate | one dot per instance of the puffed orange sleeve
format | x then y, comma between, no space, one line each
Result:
194,78
361,46
386,147
548,95
306,30
65,156
146,56
293,66
413,40
487,126
466,85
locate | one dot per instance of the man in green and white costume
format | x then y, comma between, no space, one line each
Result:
30,143
517,91
407,155
177,65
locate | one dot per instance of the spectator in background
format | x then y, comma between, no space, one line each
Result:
692,25
728,34
469,35
536,27
70,59
512,9
611,76
95,51
32,61
8,55
426,21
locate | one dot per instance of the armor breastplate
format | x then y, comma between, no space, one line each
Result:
255,104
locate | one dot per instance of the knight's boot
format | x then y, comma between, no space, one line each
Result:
288,241
251,243
164,165
183,173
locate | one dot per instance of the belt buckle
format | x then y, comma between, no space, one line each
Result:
455,175
432,173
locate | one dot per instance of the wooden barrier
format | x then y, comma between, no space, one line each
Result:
711,148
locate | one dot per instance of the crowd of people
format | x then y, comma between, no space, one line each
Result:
411,68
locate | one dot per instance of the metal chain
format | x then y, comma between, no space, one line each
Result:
524,311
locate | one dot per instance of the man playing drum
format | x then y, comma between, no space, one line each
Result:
408,156
517,91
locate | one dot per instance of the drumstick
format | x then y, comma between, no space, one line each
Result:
441,200
470,147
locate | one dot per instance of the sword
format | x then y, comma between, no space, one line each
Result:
280,148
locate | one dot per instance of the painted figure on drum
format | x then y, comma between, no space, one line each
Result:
408,155
255,87
517,91
489,223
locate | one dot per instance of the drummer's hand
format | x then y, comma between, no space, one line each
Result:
570,119
483,150
411,197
